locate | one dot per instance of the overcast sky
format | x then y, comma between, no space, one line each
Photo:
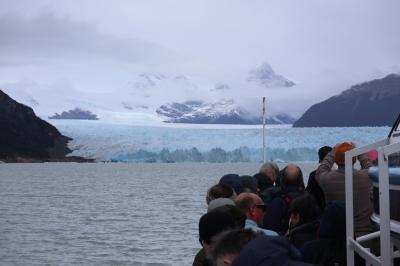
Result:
98,45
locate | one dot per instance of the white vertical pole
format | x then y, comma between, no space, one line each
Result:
384,208
348,166
264,151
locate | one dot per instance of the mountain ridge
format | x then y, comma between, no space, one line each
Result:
371,103
225,111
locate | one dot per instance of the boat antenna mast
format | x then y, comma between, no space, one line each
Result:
263,132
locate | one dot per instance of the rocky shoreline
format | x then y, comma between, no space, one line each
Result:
67,159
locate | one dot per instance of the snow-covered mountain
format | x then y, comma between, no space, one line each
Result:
154,97
147,80
225,111
265,76
198,112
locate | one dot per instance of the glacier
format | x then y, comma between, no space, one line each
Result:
205,143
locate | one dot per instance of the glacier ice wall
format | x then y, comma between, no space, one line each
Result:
118,142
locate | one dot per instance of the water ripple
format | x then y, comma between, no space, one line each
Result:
104,214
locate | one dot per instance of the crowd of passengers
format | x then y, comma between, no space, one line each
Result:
272,218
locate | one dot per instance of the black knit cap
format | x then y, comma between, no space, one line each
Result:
249,183
237,214
232,180
263,180
213,223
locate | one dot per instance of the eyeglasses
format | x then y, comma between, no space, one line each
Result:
261,206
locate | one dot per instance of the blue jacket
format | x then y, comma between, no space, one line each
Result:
252,225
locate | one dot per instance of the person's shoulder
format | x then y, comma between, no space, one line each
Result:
311,178
269,232
200,259
324,172
312,174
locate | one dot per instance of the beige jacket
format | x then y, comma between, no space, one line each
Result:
332,183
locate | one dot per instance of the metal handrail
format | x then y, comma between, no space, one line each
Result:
384,149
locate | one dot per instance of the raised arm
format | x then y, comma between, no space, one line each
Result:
365,162
325,166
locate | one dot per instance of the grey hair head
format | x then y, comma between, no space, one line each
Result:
269,169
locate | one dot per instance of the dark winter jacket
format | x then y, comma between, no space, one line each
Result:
201,259
277,216
325,251
330,248
303,233
316,191
267,250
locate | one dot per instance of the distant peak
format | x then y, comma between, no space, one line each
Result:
220,87
265,67
152,75
181,77
265,76
147,80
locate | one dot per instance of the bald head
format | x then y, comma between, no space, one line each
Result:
292,176
252,205
292,171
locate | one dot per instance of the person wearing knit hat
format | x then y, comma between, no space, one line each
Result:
210,225
373,156
332,183
263,181
238,215
340,150
232,180
249,183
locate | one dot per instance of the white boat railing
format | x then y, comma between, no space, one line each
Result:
384,148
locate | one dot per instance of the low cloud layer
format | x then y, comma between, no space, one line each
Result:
47,37
98,45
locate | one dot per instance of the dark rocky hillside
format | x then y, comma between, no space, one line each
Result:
373,103
25,138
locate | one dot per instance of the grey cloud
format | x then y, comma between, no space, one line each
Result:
324,46
47,37
5,63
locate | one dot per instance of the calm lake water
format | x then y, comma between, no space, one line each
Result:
105,214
